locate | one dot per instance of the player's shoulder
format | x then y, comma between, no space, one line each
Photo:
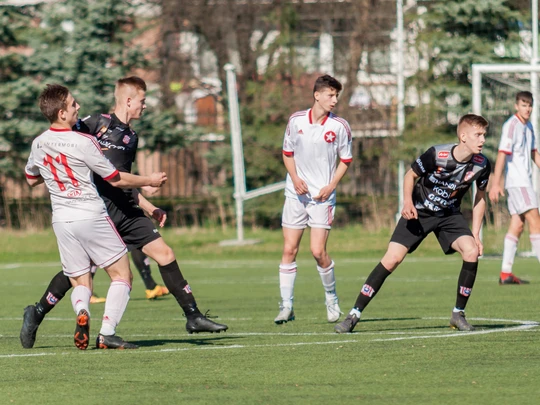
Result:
481,160
339,122
298,115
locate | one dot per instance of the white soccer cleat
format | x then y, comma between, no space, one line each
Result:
285,315
333,312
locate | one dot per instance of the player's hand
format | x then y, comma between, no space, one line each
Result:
324,193
496,192
480,246
150,190
300,187
409,211
157,179
159,215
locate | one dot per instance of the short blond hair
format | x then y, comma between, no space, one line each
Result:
473,120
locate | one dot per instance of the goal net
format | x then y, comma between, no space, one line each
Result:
494,92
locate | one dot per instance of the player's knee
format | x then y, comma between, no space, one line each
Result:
470,253
318,253
290,251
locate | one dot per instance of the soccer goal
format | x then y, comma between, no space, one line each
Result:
494,87
239,174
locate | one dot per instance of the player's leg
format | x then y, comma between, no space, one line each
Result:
80,301
320,220
466,246
294,220
106,248
521,200
142,263
407,236
179,287
138,231
511,240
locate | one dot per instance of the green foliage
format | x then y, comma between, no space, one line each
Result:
458,34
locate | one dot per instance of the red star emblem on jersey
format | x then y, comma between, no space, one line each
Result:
330,137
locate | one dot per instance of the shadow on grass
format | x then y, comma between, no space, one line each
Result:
197,341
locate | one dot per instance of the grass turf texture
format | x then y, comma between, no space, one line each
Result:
402,350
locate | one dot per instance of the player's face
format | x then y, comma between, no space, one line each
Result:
327,98
137,104
524,110
70,114
474,138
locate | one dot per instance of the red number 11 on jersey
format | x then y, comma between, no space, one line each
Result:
62,160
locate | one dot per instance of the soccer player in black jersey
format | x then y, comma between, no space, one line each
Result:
127,210
443,174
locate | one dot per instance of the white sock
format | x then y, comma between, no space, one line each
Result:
535,242
328,279
355,312
287,276
115,306
80,299
509,253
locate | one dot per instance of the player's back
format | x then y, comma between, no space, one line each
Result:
64,159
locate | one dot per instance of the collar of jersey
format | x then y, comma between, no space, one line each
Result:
311,119
60,129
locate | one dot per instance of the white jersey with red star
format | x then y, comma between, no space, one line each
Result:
66,159
316,149
518,142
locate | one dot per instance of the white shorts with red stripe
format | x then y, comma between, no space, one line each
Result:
87,242
299,215
521,200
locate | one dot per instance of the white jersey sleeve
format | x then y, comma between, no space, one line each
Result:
506,144
345,142
289,139
31,170
96,161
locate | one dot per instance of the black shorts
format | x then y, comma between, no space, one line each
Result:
410,233
135,228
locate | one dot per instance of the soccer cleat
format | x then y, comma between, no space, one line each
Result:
459,322
94,299
158,291
285,315
511,279
31,322
333,312
201,323
347,325
82,330
113,342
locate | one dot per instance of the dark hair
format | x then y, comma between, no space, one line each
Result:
53,99
473,120
325,82
132,81
525,96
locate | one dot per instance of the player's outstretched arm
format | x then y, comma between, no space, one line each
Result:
497,190
128,180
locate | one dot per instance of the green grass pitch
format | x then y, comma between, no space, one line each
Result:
401,352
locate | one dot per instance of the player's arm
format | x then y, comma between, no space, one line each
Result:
31,171
536,157
300,185
409,210
157,213
496,188
128,180
479,209
34,181
327,190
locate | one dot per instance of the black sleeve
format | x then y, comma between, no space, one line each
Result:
483,179
88,125
425,163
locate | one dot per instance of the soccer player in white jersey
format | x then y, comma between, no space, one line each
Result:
517,151
64,160
317,154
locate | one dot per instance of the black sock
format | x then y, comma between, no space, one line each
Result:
141,262
465,283
179,287
372,285
57,289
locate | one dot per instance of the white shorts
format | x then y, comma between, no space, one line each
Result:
299,215
85,243
521,200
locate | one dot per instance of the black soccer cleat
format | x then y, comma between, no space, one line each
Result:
201,323
31,321
113,342
81,337
347,325
511,279
458,321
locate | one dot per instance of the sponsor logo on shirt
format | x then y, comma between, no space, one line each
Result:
443,154
478,159
74,193
330,137
367,290
126,139
468,176
465,291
